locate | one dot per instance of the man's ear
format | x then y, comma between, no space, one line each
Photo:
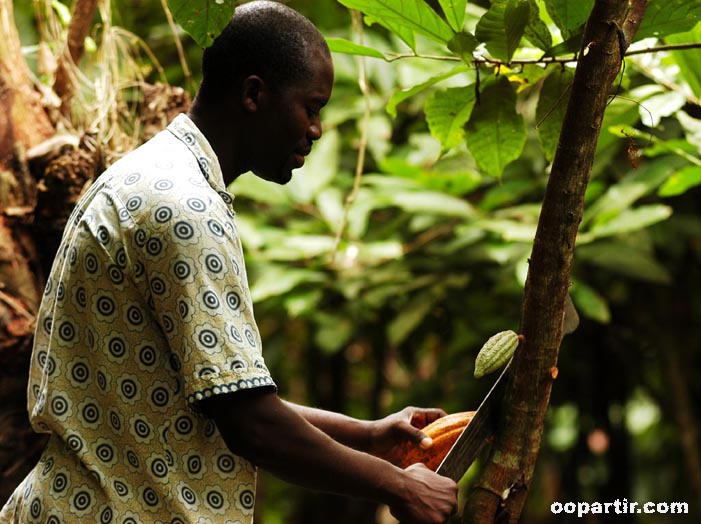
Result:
252,93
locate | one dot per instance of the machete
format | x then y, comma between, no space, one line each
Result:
482,426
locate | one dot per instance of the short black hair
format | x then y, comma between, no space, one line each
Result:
263,38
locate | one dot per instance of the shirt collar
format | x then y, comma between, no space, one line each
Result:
187,132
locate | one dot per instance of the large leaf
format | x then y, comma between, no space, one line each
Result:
537,30
550,112
689,60
666,17
431,202
399,97
454,11
202,20
342,45
496,133
644,181
447,111
590,303
274,280
624,259
569,15
681,181
413,14
502,27
627,221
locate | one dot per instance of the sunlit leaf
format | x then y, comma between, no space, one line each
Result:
277,280
454,11
342,45
627,221
569,15
666,17
688,60
413,14
681,181
447,111
502,27
643,181
203,20
399,97
430,202
550,112
496,133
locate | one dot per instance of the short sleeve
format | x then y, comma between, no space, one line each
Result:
189,263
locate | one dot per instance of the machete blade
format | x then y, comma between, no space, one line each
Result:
475,435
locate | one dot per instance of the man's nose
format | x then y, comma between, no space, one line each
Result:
315,130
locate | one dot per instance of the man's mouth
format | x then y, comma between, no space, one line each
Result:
300,154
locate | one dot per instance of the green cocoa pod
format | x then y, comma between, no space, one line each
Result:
496,352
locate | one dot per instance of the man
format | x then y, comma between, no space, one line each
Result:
147,368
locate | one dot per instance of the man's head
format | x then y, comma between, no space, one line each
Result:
269,74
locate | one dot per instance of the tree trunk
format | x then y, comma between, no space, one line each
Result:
499,493
23,124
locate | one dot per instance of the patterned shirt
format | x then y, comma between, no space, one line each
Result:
146,311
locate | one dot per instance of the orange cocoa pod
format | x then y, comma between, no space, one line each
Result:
444,432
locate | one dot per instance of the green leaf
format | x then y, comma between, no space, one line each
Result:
413,14
638,183
502,27
505,193
550,112
569,15
433,203
627,221
399,97
447,111
496,133
537,31
454,11
202,20
463,44
689,60
274,280
663,18
410,317
332,332
681,181
406,34
342,45
624,259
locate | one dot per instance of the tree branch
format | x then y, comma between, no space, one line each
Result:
503,485
82,15
391,57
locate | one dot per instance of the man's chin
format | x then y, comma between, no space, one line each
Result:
282,176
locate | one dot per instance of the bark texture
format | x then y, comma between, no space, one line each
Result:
499,494
23,124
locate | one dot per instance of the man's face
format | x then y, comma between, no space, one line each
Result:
291,122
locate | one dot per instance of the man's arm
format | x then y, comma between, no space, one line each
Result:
257,425
373,436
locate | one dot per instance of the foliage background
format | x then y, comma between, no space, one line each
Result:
370,305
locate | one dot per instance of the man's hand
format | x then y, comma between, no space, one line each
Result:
388,432
430,498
